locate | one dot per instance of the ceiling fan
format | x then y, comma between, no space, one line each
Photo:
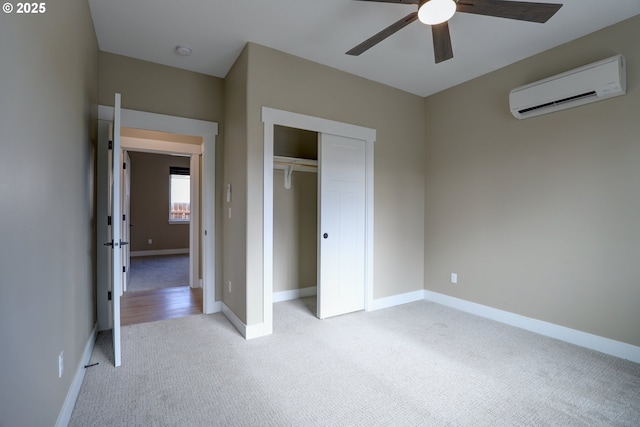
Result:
437,12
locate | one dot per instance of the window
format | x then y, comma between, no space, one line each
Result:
180,195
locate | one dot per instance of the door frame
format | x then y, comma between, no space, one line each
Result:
125,207
270,118
208,131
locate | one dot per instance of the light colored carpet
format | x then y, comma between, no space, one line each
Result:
419,364
156,272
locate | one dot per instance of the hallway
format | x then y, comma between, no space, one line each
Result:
159,304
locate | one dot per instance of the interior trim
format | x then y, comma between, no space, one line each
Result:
572,336
64,417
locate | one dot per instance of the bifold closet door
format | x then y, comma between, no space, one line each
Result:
341,225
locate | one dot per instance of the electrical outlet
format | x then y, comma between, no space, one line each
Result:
60,364
150,241
229,285
454,277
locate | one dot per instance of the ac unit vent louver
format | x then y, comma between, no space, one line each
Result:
590,83
559,102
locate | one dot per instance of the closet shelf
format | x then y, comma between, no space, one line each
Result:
290,164
296,164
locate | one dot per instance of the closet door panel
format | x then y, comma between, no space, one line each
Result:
341,225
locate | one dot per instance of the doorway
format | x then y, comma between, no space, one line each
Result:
156,200
159,206
203,160
365,136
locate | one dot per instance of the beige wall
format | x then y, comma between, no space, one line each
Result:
282,81
235,228
539,217
160,89
156,88
150,203
295,231
48,118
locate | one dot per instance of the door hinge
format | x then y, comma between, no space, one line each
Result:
124,269
110,145
124,166
124,217
109,220
109,296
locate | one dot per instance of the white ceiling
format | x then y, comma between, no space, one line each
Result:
323,30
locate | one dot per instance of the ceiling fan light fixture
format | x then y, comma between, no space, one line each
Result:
434,12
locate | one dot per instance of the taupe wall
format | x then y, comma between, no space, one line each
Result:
282,81
295,230
150,203
235,228
48,118
539,217
155,88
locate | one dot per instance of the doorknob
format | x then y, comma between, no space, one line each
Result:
325,235
108,244
123,243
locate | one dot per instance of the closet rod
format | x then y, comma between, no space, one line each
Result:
300,165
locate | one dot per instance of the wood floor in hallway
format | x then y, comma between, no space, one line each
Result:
159,304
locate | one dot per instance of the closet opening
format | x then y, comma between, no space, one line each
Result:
295,217
344,214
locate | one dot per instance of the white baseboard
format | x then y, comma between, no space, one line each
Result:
394,300
255,331
248,332
294,294
215,307
72,395
235,320
583,339
562,333
160,252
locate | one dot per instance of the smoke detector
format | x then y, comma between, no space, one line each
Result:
183,50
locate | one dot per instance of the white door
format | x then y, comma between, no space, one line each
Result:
125,205
116,221
341,225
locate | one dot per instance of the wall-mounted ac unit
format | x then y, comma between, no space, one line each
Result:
590,83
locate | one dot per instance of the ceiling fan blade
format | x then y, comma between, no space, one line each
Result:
395,1
377,38
442,49
523,11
